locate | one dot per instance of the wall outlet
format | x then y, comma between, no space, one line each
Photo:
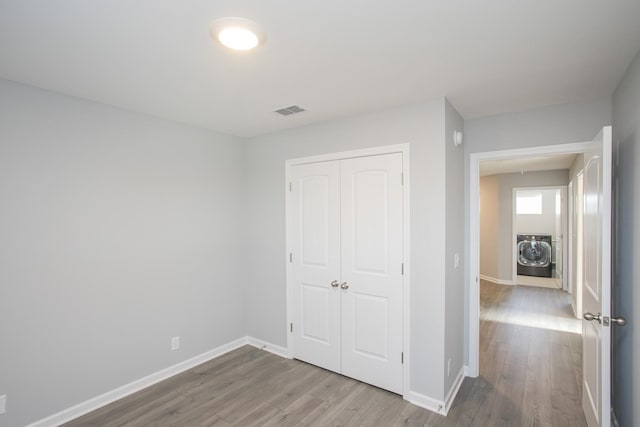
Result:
456,260
175,343
449,367
3,404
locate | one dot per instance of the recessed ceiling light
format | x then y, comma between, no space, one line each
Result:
237,33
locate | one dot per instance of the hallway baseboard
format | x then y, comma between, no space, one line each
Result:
496,281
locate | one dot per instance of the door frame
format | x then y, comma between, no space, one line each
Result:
514,232
406,240
570,230
473,343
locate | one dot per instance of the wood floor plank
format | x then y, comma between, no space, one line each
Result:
412,416
295,412
537,399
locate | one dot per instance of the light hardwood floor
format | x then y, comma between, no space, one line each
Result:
530,376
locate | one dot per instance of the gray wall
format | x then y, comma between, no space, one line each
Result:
454,243
626,131
420,125
558,124
118,232
489,225
505,184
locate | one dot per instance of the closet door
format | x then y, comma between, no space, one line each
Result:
371,269
315,217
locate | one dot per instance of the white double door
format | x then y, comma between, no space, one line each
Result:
347,267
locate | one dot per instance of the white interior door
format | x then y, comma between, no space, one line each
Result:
371,204
315,206
347,254
596,295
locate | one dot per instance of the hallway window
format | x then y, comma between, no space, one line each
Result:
529,203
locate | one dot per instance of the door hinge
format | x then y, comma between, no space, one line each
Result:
291,326
401,179
402,268
402,358
290,257
290,187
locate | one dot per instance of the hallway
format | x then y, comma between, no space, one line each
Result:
530,359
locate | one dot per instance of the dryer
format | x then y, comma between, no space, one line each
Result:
534,255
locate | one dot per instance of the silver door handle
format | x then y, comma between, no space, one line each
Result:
620,321
335,284
344,285
591,316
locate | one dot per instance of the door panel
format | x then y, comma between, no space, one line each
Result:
371,320
315,212
596,294
316,303
371,205
368,208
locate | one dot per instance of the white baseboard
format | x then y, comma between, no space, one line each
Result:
453,391
467,371
97,402
104,399
497,281
272,348
425,402
435,405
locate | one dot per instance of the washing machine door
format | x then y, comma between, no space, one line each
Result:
534,253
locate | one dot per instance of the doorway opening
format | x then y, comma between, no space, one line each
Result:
596,282
529,339
476,244
539,221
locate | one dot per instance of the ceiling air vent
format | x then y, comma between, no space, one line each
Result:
290,110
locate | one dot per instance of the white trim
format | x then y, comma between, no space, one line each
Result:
496,281
271,348
474,231
289,244
566,241
466,370
364,152
71,413
406,287
406,249
425,402
606,235
453,391
614,419
104,399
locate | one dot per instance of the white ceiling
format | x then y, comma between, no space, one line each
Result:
334,58
526,164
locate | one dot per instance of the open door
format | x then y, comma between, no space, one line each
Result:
596,285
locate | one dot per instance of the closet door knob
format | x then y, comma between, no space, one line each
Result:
334,284
344,285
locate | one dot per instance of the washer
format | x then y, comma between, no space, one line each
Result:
534,255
